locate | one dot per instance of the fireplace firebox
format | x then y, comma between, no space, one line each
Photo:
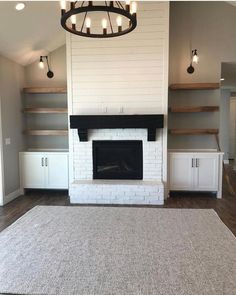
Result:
118,159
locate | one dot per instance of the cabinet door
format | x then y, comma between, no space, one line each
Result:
32,171
206,174
181,171
56,171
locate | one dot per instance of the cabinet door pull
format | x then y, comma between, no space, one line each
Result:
42,162
192,163
197,162
46,162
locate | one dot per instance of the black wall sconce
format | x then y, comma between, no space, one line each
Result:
50,74
194,59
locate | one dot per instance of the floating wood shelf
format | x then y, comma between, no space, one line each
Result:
195,86
193,131
45,110
199,109
47,132
45,90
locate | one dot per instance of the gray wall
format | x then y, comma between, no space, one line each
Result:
34,76
209,27
193,120
224,122
12,78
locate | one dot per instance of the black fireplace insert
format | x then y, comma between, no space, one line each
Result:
117,159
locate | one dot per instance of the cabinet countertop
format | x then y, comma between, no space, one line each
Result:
212,151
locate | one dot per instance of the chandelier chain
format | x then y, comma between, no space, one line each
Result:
120,4
109,19
82,27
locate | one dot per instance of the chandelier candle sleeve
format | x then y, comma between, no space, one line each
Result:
63,7
88,25
121,14
73,21
104,26
127,6
119,23
134,8
72,4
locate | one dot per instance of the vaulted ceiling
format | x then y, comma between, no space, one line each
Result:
34,31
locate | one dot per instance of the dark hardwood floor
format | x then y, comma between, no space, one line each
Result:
225,207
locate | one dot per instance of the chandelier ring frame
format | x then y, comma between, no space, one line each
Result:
99,8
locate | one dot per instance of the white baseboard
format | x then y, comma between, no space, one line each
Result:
8,198
226,162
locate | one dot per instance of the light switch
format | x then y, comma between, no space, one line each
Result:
7,141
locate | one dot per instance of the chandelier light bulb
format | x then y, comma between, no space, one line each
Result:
73,19
104,23
133,8
88,23
119,21
63,5
104,26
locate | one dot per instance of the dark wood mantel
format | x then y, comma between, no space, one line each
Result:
85,122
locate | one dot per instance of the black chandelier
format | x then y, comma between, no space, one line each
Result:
126,18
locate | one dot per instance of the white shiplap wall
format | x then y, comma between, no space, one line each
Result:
125,74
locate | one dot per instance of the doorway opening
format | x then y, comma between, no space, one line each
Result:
228,112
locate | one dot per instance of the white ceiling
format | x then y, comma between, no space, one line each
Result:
34,31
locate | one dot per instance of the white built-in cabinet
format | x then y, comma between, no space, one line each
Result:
44,170
195,171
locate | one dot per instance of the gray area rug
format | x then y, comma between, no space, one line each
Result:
115,250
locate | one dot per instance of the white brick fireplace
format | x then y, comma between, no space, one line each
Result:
120,76
150,190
